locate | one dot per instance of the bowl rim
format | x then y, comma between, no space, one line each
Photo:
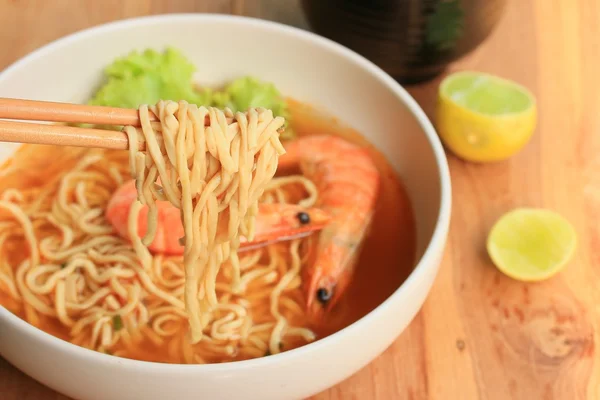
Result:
434,247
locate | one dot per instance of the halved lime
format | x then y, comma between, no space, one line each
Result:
482,117
530,244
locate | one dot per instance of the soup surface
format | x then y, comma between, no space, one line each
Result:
386,258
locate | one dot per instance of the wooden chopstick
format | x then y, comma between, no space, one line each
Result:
33,110
61,135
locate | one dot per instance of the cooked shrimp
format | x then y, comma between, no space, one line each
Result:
348,183
274,222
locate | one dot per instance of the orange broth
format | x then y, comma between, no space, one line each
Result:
386,259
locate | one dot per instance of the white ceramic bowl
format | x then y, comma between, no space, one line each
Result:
306,67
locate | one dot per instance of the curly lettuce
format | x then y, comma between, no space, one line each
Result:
246,92
146,78
149,76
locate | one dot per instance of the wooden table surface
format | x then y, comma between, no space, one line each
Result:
480,335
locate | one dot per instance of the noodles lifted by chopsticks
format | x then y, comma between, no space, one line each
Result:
215,175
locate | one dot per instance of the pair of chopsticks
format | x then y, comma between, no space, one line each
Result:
64,135
30,110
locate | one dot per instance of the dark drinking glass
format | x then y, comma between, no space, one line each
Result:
412,40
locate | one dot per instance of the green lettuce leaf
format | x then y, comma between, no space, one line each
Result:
145,78
246,92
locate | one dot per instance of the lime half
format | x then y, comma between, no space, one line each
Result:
531,244
482,117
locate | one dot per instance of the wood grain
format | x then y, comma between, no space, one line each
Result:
480,335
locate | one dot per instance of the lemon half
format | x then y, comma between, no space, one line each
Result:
483,118
530,244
